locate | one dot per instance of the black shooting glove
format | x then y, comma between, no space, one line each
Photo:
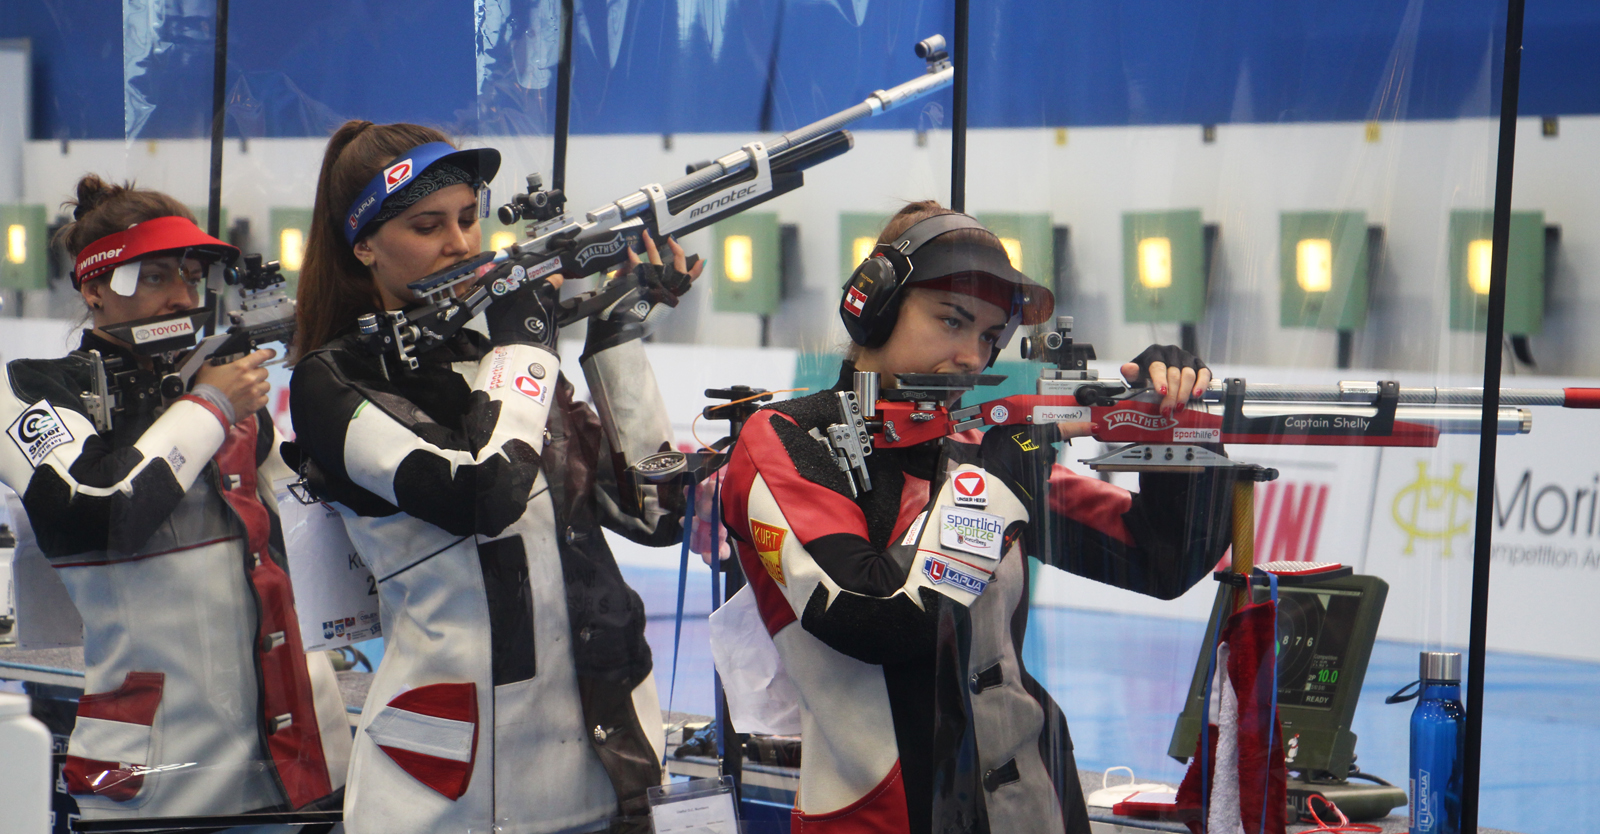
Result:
1170,355
1022,458
522,311
653,285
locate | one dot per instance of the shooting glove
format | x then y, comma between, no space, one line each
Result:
653,286
522,311
1022,458
1170,355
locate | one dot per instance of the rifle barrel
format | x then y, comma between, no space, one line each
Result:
1447,419
1367,392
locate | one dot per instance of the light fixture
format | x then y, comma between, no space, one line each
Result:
291,249
750,272
17,243
738,253
1313,264
1013,249
861,248
501,240
1479,253
1472,249
1155,262
24,267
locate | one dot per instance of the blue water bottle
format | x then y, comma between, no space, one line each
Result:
1438,739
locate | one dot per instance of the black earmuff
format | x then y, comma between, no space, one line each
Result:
871,301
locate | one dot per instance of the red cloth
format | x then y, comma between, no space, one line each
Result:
1251,634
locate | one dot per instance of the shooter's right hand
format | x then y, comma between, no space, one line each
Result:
243,381
523,311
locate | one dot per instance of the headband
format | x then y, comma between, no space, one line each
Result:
480,164
121,252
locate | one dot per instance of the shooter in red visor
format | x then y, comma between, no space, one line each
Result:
199,697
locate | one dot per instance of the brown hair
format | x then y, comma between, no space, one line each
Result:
335,287
913,213
104,208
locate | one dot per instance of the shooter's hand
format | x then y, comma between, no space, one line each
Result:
524,314
660,283
243,381
1174,372
1022,457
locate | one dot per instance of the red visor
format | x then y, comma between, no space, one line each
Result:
161,234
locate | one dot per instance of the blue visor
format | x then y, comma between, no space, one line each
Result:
481,163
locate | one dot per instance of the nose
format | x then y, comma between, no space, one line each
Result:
457,243
183,297
972,355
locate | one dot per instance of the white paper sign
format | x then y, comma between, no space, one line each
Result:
707,814
335,593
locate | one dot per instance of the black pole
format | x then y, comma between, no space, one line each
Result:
219,83
1488,439
558,164
958,121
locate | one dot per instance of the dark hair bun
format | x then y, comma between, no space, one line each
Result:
92,193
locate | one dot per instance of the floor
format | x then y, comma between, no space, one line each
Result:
1121,678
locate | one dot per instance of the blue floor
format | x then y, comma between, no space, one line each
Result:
1120,680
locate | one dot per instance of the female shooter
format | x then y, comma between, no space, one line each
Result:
899,610
159,519
515,691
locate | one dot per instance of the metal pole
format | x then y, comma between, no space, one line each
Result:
958,121
219,83
1492,347
558,164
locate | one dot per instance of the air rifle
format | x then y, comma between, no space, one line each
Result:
573,247
177,351
1227,411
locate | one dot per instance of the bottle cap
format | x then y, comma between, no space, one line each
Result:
1441,666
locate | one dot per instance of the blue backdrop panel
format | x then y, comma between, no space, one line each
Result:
669,66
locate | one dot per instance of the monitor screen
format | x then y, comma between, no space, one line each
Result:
1314,629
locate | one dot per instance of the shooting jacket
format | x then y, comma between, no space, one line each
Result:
515,689
199,698
906,643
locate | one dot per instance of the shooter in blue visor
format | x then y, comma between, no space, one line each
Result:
515,693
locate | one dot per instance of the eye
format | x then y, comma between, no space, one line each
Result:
990,338
951,322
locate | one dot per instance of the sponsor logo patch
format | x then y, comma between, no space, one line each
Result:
1197,435
940,572
1137,419
854,301
497,368
915,530
176,460
545,268
38,431
970,489
532,388
998,414
600,250
769,545
971,531
161,331
396,175
1061,414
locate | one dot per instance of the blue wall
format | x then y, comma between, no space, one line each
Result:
298,67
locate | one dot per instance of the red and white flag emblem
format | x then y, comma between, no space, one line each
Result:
854,300
530,387
431,732
971,488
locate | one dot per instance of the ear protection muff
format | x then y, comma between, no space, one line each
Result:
871,302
